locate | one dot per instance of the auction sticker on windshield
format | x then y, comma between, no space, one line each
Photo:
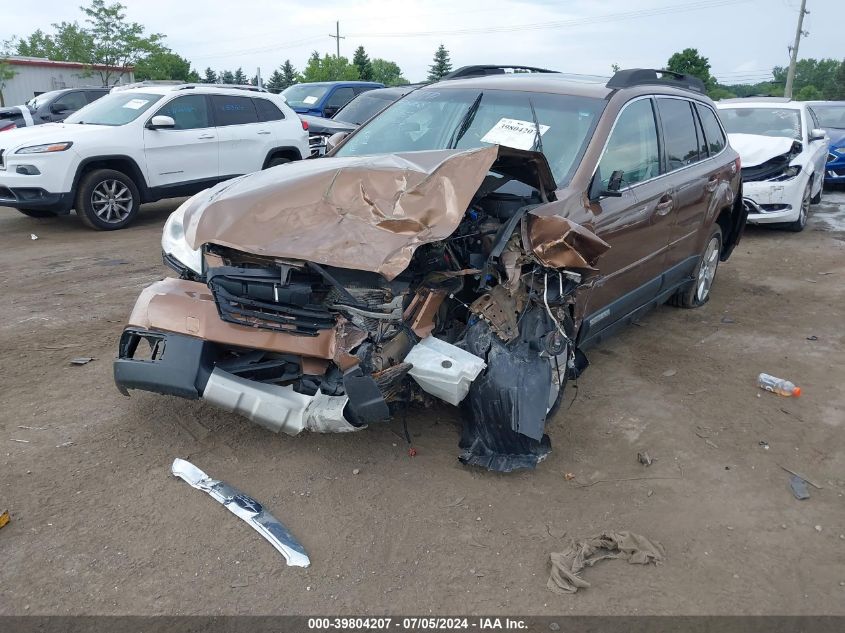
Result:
514,133
309,100
135,104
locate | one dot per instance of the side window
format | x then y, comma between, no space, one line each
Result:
340,98
814,119
190,112
70,102
93,95
679,136
267,110
699,135
713,133
632,146
233,110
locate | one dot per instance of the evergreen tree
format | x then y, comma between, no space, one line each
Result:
362,63
227,77
274,83
210,77
240,77
289,75
442,64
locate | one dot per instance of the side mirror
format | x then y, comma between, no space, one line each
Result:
817,134
161,122
334,140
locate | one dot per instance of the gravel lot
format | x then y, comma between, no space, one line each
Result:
99,526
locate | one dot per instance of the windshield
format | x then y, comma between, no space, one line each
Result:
40,100
304,95
781,122
362,108
830,115
118,108
463,119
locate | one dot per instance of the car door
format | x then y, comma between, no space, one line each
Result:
187,153
242,137
273,126
819,147
64,106
636,223
693,179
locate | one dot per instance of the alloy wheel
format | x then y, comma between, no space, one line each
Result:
707,270
112,201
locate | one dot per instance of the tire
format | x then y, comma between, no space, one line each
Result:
107,200
278,160
801,222
38,213
698,293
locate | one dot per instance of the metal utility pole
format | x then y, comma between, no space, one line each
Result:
258,77
337,37
793,50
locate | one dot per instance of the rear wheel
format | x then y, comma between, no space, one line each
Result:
698,293
801,222
38,213
278,160
107,200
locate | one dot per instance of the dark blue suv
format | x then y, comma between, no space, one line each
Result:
326,97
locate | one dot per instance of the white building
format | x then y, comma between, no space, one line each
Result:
35,75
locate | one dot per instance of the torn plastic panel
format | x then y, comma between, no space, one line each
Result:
473,308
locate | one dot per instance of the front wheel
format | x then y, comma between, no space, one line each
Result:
107,200
698,293
803,214
38,213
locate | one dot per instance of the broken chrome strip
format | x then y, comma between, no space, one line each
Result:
247,509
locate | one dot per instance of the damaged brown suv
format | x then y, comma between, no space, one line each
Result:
464,245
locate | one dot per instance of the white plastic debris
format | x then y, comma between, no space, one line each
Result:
443,370
33,236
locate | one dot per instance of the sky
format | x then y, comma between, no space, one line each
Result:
743,39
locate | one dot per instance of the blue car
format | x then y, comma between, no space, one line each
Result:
325,98
831,118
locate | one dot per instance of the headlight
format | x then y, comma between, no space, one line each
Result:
840,150
48,148
175,246
788,174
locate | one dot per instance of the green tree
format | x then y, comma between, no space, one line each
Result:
690,62
362,63
274,82
615,68
6,71
227,77
820,73
240,77
210,76
114,41
721,92
442,64
329,68
838,91
289,75
69,42
387,73
164,64
808,93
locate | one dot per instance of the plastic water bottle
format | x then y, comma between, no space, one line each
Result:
778,385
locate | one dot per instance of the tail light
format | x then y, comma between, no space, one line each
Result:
304,124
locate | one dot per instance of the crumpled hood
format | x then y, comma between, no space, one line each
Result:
755,149
364,212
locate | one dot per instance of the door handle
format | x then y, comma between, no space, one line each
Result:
263,132
712,182
665,205
206,136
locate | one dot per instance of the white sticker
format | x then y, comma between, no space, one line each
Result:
309,100
136,104
514,133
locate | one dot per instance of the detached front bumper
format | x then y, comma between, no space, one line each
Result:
772,202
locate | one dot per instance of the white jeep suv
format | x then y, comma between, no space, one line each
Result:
143,144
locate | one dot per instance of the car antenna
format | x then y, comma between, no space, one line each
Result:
538,140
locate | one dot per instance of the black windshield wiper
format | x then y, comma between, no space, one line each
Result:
466,121
538,140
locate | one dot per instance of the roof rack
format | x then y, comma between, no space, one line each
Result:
146,82
487,69
645,76
182,85
250,87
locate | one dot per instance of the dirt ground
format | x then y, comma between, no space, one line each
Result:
100,527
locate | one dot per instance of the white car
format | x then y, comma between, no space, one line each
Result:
783,153
144,144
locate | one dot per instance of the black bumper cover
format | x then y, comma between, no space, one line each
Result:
179,365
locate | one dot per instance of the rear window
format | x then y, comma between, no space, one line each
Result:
267,110
233,110
713,133
679,135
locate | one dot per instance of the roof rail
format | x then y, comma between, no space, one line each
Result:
487,69
644,76
182,85
146,82
250,87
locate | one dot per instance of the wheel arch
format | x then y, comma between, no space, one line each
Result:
731,220
118,162
283,151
